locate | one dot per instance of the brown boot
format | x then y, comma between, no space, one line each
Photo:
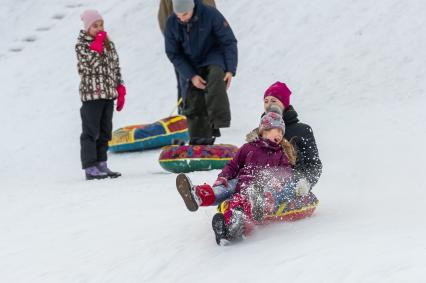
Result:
186,191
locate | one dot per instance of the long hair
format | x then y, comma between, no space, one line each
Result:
108,43
289,150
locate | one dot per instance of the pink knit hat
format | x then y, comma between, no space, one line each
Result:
89,17
280,91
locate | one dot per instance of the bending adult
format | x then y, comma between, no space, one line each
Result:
308,165
202,47
164,11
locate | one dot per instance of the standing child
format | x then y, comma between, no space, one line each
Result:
261,169
100,85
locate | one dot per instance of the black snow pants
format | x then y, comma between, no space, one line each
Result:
96,118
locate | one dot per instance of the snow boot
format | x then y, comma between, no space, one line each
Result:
219,228
179,142
102,166
194,196
186,191
93,173
202,141
216,133
231,232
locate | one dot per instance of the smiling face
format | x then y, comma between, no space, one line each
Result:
274,134
96,27
185,17
268,101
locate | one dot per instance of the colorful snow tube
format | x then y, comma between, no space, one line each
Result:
188,158
298,208
155,135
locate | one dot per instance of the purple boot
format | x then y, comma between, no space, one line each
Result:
93,173
102,166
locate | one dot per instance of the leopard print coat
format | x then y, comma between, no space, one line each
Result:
100,73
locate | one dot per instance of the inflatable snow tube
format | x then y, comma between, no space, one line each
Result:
155,135
297,209
189,158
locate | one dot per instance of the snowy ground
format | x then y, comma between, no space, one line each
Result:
357,70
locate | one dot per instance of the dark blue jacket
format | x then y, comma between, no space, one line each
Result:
207,39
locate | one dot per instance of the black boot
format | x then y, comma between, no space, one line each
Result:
220,229
179,142
216,133
202,141
227,233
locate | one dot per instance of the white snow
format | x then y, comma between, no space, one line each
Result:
357,70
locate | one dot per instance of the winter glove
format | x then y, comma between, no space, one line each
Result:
221,181
302,187
98,43
121,94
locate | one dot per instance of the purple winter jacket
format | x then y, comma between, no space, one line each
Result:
253,157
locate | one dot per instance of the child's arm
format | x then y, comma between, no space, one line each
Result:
87,58
117,68
175,53
232,168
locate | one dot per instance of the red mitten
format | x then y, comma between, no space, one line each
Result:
98,43
121,94
221,181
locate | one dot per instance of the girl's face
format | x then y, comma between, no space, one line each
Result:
272,100
275,135
96,27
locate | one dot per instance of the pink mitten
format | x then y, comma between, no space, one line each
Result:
221,181
121,94
98,43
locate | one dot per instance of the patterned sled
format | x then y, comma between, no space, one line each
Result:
155,135
297,209
188,158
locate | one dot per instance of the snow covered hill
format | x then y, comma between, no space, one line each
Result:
357,70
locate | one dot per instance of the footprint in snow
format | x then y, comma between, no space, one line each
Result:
72,6
30,38
45,28
16,49
58,16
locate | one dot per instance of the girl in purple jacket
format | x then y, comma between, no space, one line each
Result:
255,181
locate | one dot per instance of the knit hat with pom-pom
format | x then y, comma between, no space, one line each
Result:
270,121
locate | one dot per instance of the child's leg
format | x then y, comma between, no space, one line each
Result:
91,113
236,220
105,132
202,195
222,193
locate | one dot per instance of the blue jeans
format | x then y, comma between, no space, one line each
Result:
222,193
